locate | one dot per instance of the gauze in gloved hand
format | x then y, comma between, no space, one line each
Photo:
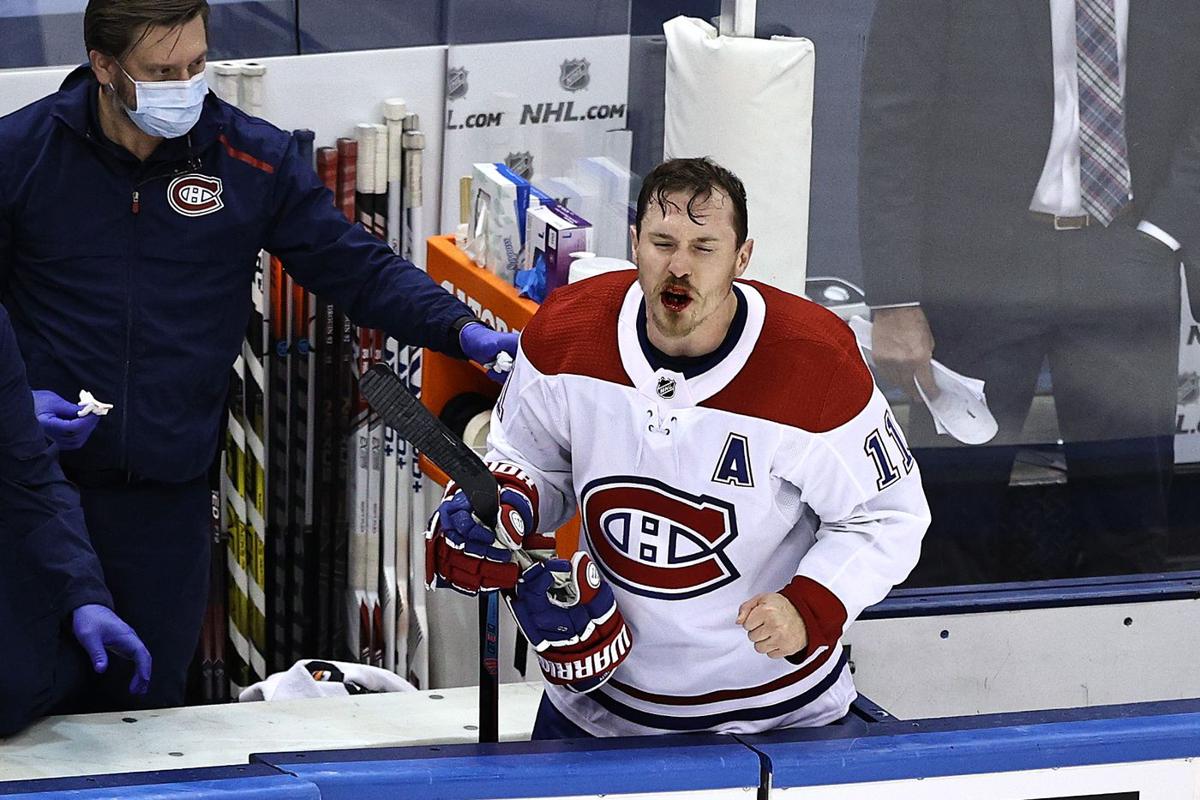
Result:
60,420
489,348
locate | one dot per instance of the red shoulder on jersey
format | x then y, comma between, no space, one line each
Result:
575,330
806,370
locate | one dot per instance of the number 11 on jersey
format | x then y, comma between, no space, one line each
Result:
876,448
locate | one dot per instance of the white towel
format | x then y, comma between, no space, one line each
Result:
318,678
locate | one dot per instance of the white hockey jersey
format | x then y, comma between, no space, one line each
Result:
779,468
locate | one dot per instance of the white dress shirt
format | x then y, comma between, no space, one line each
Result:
1058,189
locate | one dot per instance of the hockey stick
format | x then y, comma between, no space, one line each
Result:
387,394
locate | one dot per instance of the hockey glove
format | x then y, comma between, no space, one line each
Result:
60,420
570,616
464,554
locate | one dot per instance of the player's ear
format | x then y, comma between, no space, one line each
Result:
633,242
743,256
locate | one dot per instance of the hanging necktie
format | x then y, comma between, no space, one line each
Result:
1103,157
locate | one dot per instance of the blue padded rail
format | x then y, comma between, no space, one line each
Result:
984,744
250,782
527,769
1068,592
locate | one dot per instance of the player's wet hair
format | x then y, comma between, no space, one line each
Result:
696,177
114,27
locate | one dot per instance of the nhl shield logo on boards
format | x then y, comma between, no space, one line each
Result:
573,75
456,83
666,388
195,195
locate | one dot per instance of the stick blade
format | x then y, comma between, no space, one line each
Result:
400,410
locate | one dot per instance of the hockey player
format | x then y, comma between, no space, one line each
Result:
50,581
133,205
744,489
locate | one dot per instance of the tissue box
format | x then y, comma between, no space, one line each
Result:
496,232
554,233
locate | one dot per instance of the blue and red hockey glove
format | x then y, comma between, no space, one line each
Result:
465,555
570,617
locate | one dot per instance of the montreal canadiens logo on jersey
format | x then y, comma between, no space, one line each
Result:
657,541
195,195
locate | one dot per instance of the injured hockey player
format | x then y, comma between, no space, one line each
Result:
744,489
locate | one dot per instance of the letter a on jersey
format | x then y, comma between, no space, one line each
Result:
733,467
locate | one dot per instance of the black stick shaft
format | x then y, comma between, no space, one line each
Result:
400,410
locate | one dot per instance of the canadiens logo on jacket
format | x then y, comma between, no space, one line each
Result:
195,195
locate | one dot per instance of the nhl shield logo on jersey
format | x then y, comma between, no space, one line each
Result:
656,541
665,388
195,195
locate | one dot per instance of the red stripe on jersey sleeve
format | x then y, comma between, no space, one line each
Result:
574,332
822,612
805,372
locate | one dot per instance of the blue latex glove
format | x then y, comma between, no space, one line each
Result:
60,420
98,629
482,345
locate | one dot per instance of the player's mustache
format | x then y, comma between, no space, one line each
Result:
674,285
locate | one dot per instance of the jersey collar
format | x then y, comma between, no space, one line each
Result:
708,383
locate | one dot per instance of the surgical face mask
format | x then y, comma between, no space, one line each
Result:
167,108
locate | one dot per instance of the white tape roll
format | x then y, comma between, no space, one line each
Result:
476,433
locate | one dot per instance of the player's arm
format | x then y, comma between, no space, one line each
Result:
530,460
531,427
341,261
564,607
863,483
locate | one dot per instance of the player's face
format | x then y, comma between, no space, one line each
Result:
686,269
163,54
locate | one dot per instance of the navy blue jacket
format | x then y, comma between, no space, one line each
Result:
146,307
41,524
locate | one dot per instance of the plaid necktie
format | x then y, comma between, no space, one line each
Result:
1103,158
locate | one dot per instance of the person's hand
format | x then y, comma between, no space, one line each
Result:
60,420
98,629
484,346
902,347
773,624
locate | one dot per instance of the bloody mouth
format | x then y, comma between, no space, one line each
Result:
675,300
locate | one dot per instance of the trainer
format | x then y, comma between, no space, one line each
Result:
133,205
